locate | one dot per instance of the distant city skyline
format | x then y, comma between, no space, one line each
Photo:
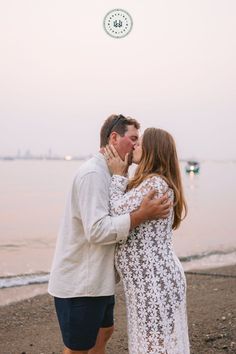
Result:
62,75
28,154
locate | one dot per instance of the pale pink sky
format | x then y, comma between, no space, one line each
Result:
62,75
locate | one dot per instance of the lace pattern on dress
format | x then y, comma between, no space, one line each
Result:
153,278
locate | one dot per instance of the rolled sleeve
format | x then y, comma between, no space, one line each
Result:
122,225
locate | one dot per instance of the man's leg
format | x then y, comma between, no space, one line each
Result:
106,328
77,333
104,335
85,322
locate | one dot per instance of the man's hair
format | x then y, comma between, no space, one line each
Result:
116,123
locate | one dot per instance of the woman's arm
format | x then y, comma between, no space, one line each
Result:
118,199
122,203
141,206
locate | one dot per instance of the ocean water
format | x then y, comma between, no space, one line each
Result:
32,201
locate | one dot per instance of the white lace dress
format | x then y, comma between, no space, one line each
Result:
153,278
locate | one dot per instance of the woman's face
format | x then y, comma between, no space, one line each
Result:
137,153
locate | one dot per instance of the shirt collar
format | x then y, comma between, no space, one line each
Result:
101,157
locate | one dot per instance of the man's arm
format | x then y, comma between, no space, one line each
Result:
92,199
101,228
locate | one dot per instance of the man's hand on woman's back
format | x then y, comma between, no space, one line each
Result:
151,209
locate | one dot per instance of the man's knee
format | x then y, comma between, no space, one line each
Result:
106,333
69,351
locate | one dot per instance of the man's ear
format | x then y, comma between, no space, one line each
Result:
114,138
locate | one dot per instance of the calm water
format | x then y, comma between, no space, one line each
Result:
32,202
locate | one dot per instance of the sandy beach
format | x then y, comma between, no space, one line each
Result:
30,326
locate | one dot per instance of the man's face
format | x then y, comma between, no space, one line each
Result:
125,144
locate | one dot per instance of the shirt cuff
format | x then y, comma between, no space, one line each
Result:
122,225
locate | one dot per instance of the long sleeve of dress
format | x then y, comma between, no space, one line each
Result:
122,202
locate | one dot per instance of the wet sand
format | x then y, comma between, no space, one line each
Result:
30,326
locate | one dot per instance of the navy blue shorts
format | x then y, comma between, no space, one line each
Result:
80,319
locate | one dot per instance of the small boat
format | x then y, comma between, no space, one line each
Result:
192,166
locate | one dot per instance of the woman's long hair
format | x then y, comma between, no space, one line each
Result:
159,157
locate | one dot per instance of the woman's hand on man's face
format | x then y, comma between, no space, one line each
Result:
115,164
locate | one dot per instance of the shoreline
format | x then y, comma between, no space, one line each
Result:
38,282
30,326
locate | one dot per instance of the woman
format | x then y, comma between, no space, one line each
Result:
153,278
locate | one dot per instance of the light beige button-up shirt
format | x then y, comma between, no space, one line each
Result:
83,263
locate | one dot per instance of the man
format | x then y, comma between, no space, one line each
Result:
82,279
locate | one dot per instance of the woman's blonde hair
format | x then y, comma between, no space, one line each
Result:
159,157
